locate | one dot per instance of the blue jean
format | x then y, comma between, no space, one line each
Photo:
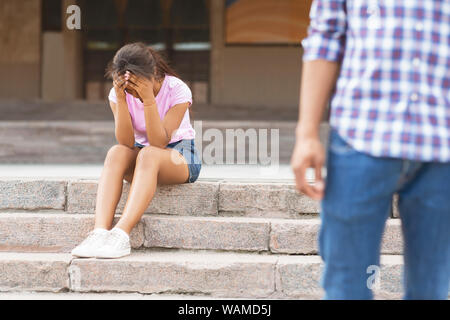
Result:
188,150
356,204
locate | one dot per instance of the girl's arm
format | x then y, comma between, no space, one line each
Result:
123,126
159,132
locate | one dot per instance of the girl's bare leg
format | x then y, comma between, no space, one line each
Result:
119,164
153,166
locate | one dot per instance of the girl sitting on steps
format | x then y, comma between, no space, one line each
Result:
155,145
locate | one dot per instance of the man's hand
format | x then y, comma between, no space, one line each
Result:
315,92
143,86
308,152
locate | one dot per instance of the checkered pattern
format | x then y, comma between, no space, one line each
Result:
392,97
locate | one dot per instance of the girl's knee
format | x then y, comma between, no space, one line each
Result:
119,149
117,154
149,155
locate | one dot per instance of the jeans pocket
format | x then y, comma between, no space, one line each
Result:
339,146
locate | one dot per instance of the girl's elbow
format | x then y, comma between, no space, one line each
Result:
162,145
162,142
131,146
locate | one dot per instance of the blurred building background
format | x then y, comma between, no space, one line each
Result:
241,59
244,53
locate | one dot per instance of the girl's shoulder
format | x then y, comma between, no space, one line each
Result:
174,82
178,90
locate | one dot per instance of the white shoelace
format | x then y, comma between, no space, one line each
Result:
92,238
117,241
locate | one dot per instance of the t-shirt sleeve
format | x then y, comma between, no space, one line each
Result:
180,94
112,95
327,31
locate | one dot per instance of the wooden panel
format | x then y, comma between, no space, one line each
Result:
267,21
20,25
20,38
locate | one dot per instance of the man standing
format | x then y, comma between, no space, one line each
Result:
387,64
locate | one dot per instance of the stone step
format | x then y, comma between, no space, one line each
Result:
223,172
213,274
60,232
202,198
33,295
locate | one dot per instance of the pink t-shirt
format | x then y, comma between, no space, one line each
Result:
173,91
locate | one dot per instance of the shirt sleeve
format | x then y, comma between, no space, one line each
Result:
180,94
326,32
112,95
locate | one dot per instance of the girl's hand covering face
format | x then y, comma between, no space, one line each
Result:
143,87
120,83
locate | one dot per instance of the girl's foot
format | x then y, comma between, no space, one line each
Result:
117,245
89,247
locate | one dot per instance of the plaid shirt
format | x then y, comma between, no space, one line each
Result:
392,98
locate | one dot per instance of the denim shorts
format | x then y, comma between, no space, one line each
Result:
187,149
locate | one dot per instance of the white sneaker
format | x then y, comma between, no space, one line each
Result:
89,247
117,245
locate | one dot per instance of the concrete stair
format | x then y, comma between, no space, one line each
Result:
219,239
60,232
216,274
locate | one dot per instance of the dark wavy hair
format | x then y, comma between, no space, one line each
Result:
140,59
